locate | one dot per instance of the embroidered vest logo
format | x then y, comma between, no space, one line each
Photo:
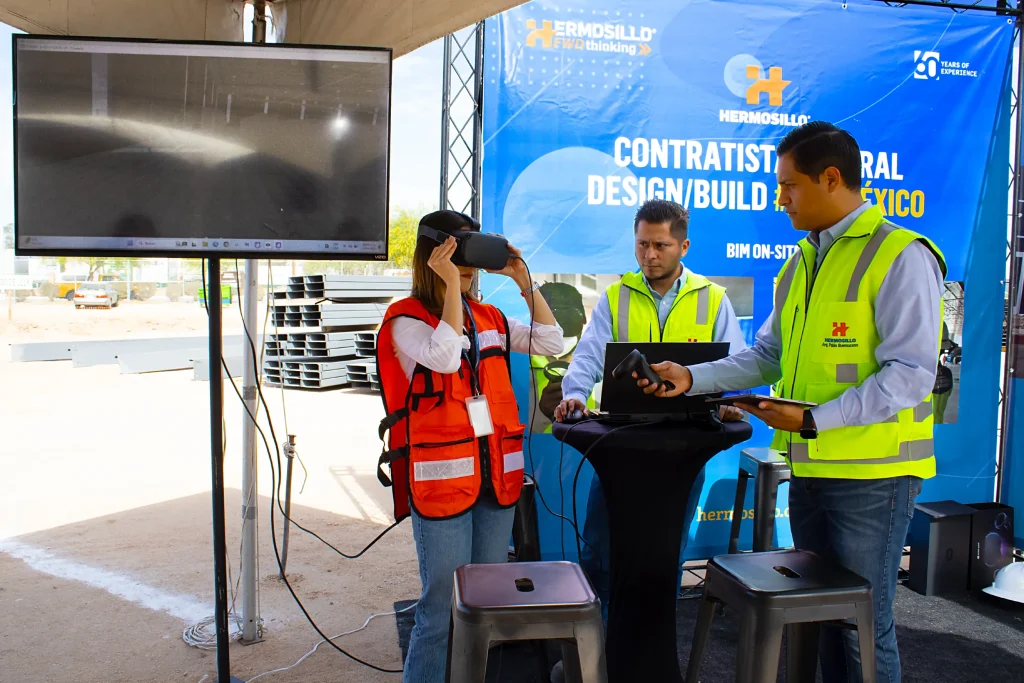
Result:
840,338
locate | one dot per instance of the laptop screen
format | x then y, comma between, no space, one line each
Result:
624,397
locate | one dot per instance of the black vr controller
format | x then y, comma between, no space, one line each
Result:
474,249
636,362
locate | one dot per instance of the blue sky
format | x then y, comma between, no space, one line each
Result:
415,129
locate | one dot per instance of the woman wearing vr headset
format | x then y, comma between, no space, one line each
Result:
456,443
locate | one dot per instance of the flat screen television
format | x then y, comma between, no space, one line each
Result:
154,148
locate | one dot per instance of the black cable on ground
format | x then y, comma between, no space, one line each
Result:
277,450
529,439
276,483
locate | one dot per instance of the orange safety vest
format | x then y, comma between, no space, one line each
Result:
434,457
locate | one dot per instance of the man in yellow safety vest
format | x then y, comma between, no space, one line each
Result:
663,301
855,330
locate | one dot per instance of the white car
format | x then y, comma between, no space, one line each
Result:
93,294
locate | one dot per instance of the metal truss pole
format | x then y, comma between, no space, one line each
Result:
1001,7
462,120
1014,288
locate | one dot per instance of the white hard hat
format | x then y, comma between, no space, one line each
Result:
1009,583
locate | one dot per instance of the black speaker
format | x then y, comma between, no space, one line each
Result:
991,542
525,529
940,540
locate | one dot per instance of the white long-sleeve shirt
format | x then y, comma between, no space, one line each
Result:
440,349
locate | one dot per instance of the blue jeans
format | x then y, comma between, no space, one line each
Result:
863,525
596,560
480,536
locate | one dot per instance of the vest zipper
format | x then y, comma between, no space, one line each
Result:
813,278
679,297
485,466
647,295
792,326
661,328
443,445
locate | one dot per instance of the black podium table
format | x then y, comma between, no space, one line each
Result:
646,471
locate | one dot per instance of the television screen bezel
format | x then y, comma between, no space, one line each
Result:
200,253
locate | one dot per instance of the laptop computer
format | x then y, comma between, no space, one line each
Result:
624,400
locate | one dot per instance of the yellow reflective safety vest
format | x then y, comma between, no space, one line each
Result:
692,318
829,338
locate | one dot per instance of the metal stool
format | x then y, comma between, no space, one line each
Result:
768,467
525,601
794,589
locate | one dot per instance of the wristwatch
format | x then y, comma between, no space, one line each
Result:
527,292
808,430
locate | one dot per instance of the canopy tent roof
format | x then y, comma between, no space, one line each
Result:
402,25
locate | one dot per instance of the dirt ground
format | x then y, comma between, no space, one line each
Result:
105,516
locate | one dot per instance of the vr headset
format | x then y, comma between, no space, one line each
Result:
474,249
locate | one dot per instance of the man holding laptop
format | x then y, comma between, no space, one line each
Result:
854,333
663,302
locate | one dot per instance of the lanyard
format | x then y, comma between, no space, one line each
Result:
472,356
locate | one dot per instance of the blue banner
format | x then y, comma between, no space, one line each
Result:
1012,480
593,107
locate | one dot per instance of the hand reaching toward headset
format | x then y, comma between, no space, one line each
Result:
515,268
440,262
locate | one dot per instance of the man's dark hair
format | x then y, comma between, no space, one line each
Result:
655,211
815,146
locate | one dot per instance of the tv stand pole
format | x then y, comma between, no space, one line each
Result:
220,576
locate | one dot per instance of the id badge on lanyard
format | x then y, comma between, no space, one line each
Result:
480,415
476,405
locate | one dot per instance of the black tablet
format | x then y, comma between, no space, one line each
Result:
754,399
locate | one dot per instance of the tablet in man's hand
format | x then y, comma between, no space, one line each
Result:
754,399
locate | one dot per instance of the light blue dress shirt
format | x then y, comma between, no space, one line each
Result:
587,366
908,320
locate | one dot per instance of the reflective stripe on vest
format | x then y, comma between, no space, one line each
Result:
625,298
910,451
786,281
829,338
444,469
635,313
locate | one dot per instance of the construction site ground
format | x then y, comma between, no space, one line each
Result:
105,516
